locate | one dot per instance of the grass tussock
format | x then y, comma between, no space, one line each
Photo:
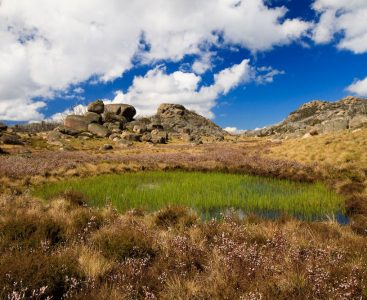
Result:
46,252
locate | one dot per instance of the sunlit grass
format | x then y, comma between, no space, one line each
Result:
201,191
342,149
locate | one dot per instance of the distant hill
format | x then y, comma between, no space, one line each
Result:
317,117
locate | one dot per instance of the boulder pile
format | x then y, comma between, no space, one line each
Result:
7,136
116,121
318,117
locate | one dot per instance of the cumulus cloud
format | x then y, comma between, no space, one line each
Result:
76,110
359,88
46,46
156,87
203,63
234,130
347,17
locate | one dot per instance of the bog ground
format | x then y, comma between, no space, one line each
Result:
205,192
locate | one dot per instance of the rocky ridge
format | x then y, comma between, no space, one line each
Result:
318,117
116,121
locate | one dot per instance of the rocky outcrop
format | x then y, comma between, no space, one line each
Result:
11,139
78,123
8,136
125,110
96,107
116,121
3,127
318,117
98,130
93,117
176,118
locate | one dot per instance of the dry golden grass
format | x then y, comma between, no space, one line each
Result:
340,149
92,263
88,253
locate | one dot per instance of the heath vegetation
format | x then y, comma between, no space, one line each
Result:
63,250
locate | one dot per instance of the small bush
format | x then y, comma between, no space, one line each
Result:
86,221
359,224
28,272
356,205
30,232
75,197
173,216
119,243
351,188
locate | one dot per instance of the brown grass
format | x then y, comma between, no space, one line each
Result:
114,256
344,150
66,249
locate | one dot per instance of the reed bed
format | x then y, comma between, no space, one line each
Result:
204,192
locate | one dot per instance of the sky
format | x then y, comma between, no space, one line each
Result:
243,63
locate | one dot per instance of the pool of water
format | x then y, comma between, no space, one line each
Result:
218,214
209,193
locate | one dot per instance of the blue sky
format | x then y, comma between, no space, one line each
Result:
246,64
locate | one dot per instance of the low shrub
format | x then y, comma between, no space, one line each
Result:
28,273
356,205
359,224
121,242
350,188
175,216
75,197
29,232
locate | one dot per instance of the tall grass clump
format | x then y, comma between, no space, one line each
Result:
205,192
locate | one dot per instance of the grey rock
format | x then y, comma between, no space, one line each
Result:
55,136
130,125
98,130
93,117
77,123
3,126
116,126
176,118
114,135
111,117
139,129
66,130
159,137
319,117
358,121
123,143
335,125
11,139
146,137
187,138
106,147
131,137
96,107
125,110
153,126
86,134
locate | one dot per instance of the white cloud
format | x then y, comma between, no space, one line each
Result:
76,110
234,130
266,74
347,17
19,109
78,90
157,87
203,63
46,46
359,88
